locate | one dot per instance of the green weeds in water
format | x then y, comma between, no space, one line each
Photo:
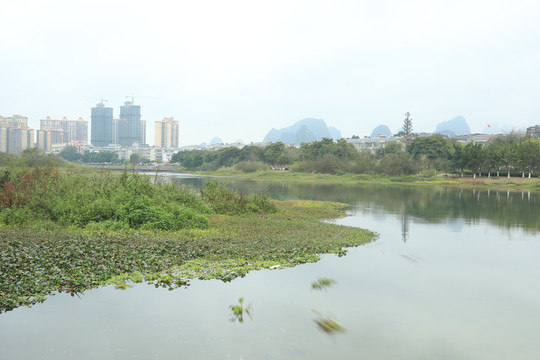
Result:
323,284
37,261
238,310
328,324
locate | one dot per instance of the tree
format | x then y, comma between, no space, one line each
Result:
343,150
457,158
528,152
433,147
273,151
70,153
228,156
251,153
503,150
392,147
134,158
474,156
407,124
407,128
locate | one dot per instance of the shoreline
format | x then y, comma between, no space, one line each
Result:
440,179
493,182
75,260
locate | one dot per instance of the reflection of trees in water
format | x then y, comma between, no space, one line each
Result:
404,226
434,204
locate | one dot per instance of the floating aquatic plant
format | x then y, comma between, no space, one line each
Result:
238,310
323,283
327,324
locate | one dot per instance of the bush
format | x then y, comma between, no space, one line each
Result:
250,166
128,201
326,164
397,164
227,202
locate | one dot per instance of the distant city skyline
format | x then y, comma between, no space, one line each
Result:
239,68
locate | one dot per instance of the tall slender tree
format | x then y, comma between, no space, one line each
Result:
407,124
407,129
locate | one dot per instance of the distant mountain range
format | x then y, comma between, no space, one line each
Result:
451,128
305,130
381,130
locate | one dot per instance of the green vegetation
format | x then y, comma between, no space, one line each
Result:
328,325
70,232
323,283
513,154
238,310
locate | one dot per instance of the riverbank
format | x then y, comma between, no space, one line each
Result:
37,261
430,179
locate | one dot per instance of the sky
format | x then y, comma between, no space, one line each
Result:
236,69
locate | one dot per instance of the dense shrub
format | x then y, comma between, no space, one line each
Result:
250,166
228,202
397,164
128,201
326,164
37,194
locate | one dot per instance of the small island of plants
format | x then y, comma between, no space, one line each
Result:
66,230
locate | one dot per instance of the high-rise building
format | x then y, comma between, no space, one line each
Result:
45,139
17,121
143,132
102,125
129,126
19,139
3,138
69,132
15,136
166,134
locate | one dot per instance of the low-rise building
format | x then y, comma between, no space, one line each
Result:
476,138
372,143
534,131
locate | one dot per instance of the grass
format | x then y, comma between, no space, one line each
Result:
39,260
439,179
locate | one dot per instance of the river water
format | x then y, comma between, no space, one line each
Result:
453,275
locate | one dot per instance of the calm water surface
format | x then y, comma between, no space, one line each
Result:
453,275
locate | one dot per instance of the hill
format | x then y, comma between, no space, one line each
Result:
305,130
457,126
382,130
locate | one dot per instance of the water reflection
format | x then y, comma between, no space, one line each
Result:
421,203
456,289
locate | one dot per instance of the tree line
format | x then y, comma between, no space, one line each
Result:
510,154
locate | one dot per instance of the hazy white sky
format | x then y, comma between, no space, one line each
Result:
235,69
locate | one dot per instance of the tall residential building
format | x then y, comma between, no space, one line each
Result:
15,136
3,139
17,121
74,132
102,125
167,132
129,126
143,132
45,139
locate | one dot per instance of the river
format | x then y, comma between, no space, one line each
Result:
453,275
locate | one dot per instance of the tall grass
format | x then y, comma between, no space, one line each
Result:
115,202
